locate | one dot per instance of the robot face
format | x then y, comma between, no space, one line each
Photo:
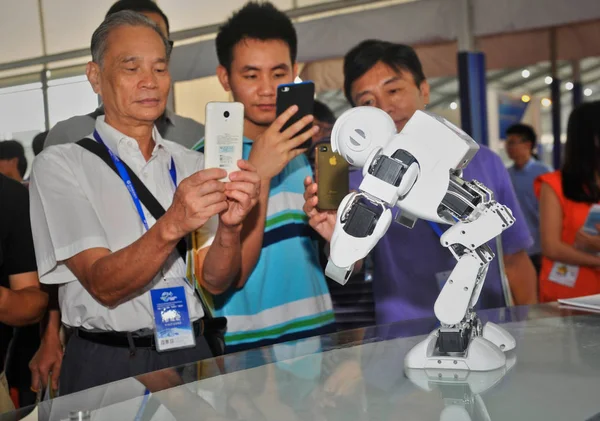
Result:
359,131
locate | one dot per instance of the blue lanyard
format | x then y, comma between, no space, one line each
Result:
127,180
436,228
140,412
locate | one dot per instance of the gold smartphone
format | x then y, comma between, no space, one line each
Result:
332,176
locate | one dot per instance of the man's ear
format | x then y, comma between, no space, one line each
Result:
295,70
92,72
424,88
223,76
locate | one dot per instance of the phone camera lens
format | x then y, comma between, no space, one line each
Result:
323,148
226,114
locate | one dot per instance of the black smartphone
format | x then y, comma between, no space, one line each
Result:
301,94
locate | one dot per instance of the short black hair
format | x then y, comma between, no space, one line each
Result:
260,21
10,149
323,113
360,59
582,154
525,131
139,6
38,142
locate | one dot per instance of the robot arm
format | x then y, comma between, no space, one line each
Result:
419,171
361,222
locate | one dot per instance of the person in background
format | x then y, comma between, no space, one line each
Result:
38,142
13,162
22,302
26,339
171,126
520,146
570,263
282,294
324,121
410,266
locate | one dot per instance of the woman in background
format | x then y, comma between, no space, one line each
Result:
571,260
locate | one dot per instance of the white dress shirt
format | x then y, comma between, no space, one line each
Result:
78,202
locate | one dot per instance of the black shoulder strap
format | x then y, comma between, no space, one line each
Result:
147,198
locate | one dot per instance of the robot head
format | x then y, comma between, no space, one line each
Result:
359,131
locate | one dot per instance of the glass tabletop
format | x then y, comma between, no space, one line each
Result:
553,374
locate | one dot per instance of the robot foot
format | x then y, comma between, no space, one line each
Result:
481,354
499,337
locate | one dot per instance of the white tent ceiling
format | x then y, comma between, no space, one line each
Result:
58,31
512,33
429,23
68,24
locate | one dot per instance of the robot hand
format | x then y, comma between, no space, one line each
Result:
361,222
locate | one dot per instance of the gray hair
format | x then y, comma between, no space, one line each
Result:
116,20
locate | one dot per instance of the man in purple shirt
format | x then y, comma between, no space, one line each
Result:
410,266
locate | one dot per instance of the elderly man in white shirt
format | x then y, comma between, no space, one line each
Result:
112,260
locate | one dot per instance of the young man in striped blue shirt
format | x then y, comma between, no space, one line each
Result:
282,294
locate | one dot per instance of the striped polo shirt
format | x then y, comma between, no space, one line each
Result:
286,296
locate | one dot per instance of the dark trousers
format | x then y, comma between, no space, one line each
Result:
25,343
88,364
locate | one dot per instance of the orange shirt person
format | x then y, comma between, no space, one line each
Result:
571,260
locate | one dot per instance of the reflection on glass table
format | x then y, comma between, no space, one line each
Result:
359,375
461,389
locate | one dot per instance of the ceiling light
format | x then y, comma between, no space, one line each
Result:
546,102
525,98
548,80
525,73
588,92
569,86
453,105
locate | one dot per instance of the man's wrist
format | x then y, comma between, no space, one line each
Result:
265,183
51,335
265,187
168,232
229,235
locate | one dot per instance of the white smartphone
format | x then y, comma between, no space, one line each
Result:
223,136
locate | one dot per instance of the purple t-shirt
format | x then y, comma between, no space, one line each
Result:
406,261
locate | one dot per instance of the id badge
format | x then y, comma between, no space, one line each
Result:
564,274
173,329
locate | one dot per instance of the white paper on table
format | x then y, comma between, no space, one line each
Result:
591,302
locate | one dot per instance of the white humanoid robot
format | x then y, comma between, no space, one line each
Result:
419,171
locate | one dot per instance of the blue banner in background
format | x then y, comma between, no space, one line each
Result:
510,111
